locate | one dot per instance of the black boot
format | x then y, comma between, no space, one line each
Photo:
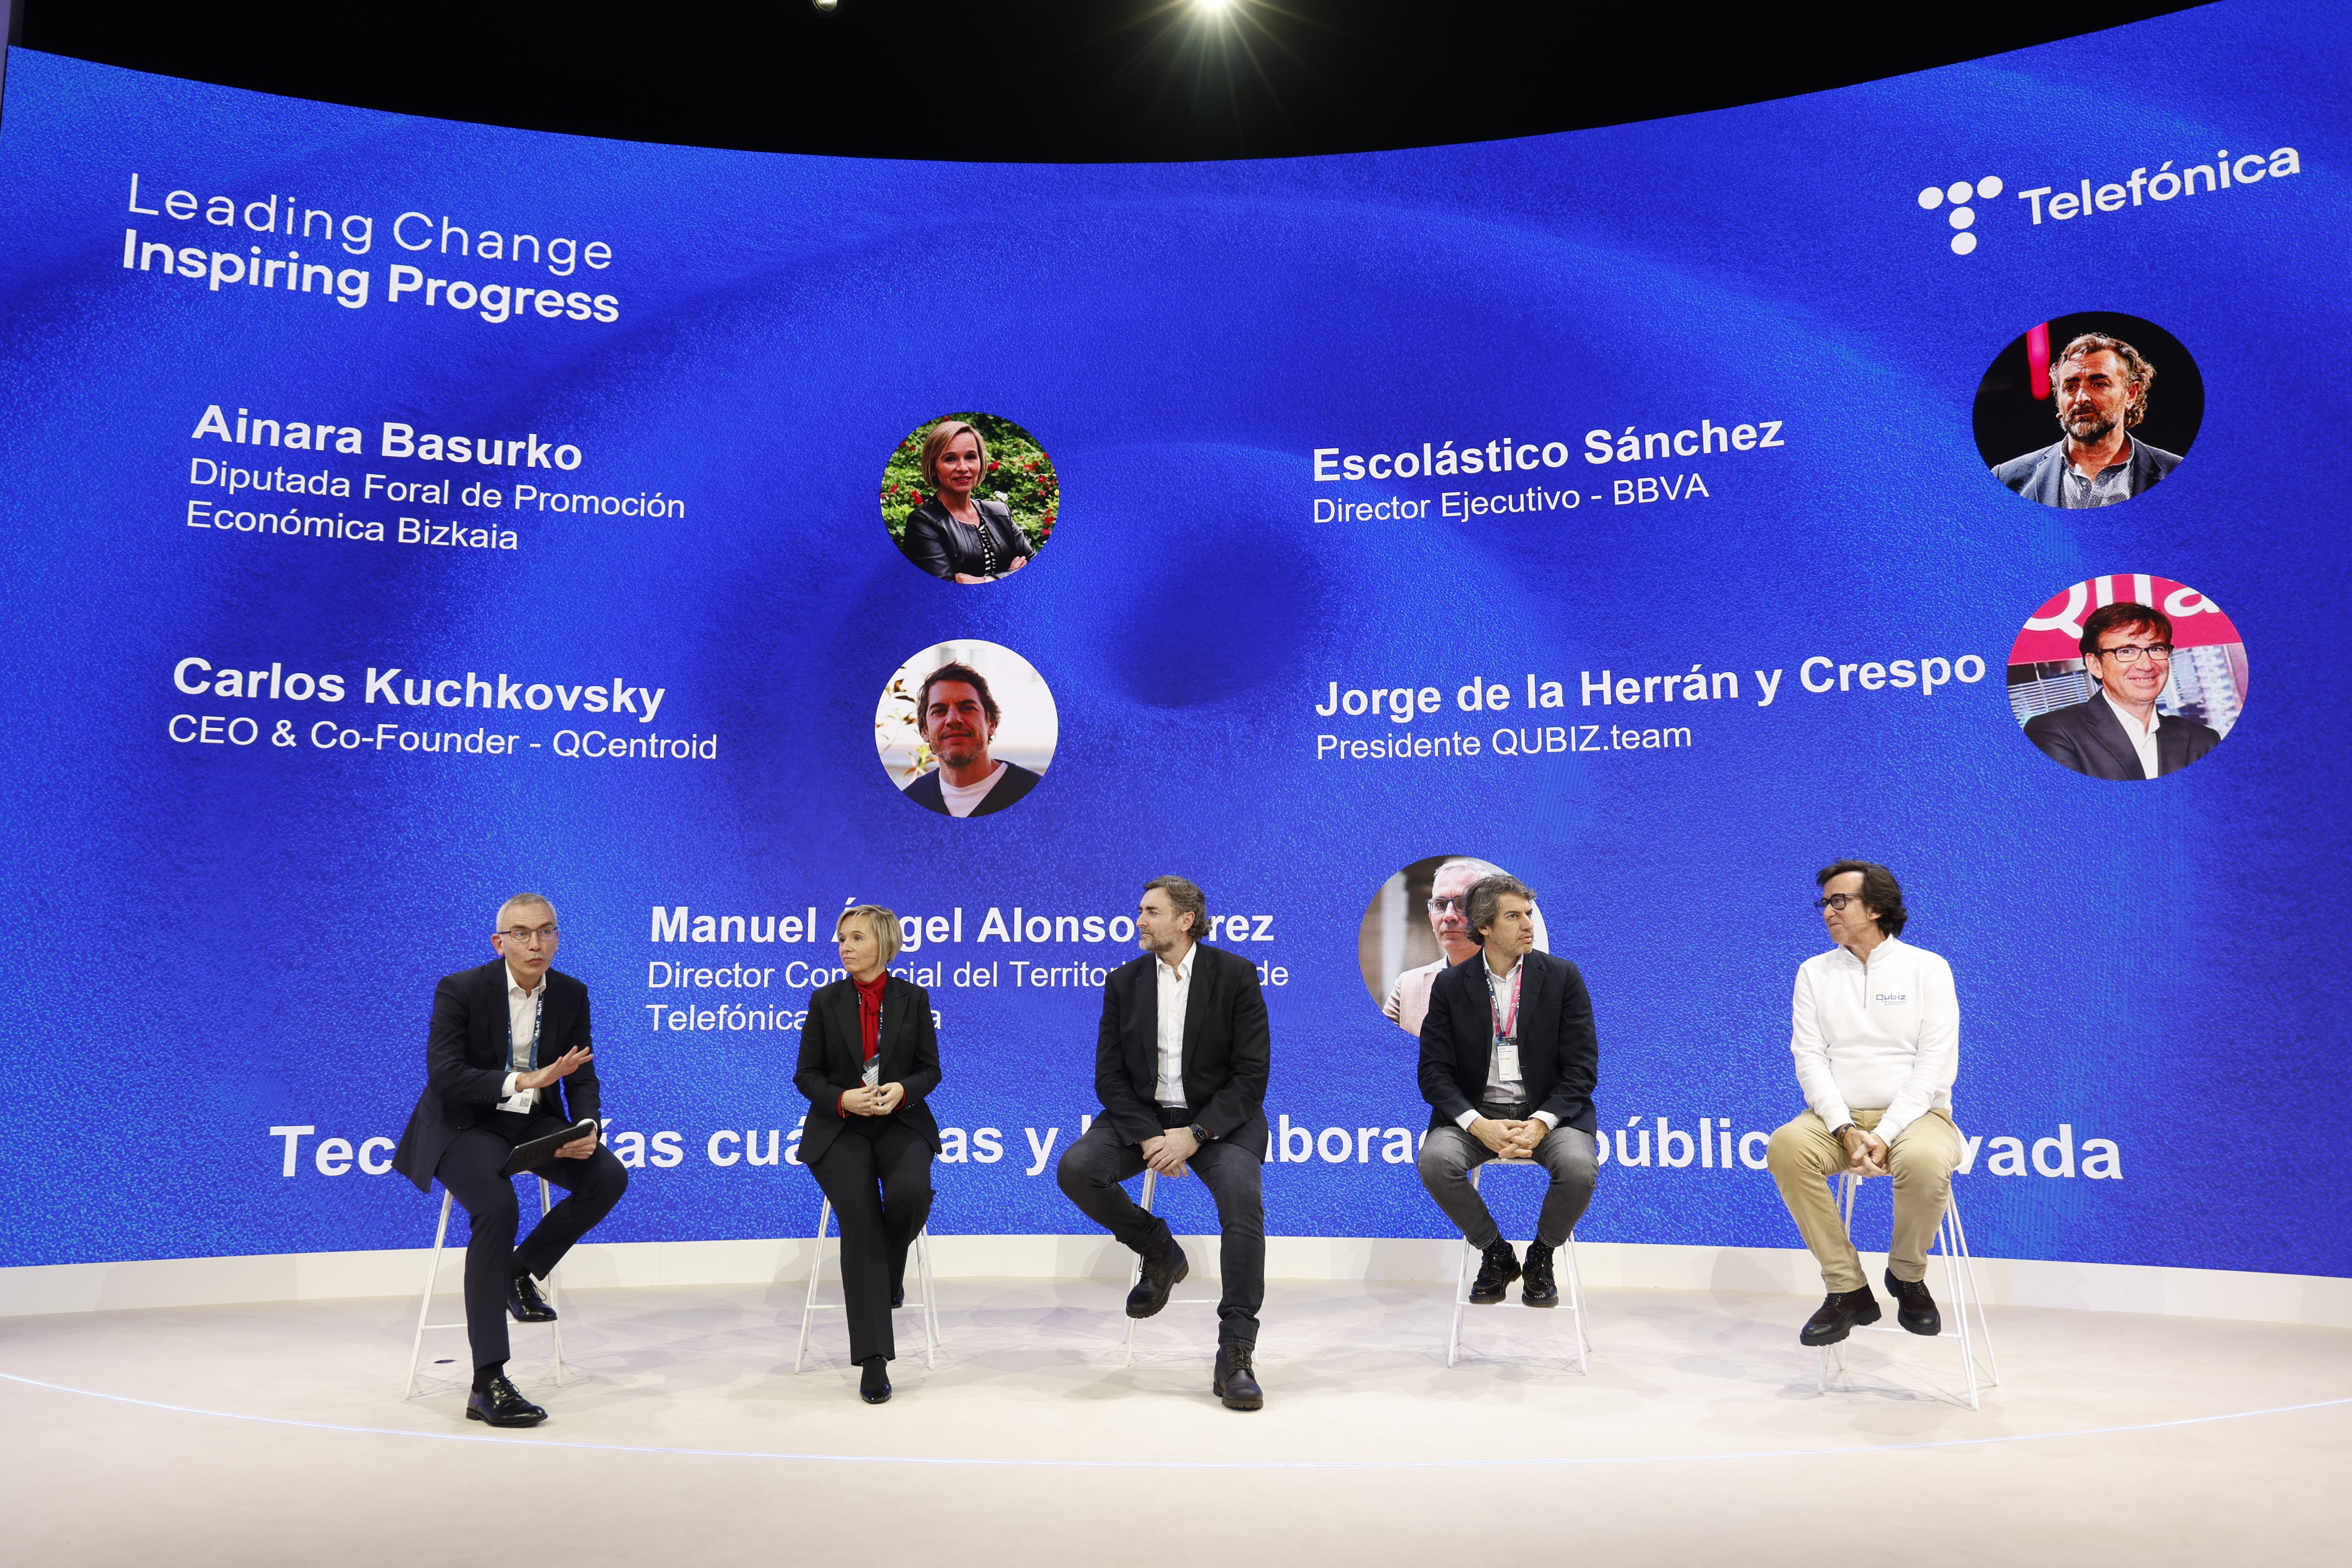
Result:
1842,1312
1235,1382
1541,1289
1164,1268
874,1380
1495,1271
1914,1308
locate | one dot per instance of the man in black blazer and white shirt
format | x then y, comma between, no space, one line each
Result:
1508,1061
507,1060
1180,1063
2118,734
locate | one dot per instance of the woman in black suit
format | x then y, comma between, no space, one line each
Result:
869,1059
956,535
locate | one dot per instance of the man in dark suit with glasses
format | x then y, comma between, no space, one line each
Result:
507,1060
2118,734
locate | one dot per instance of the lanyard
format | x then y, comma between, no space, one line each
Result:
537,1005
1506,1024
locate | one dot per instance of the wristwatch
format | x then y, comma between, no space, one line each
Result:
1843,1128
1201,1134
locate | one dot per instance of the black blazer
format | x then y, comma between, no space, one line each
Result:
1227,1049
943,547
466,1062
2088,738
832,1060
1017,782
1559,1060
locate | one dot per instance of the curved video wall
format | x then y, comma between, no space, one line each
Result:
401,514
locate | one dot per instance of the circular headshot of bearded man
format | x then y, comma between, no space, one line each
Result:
2117,438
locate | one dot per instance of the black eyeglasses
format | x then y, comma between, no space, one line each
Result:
1460,906
2159,651
523,934
1837,901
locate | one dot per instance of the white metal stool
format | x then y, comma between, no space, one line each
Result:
433,1271
922,1246
1462,1279
1135,1275
1960,1288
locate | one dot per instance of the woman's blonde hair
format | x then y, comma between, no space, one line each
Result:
882,923
945,431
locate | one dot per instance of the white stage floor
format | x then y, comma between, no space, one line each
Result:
273,1434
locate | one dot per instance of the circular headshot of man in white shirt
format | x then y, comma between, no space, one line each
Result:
1416,928
966,728
2128,678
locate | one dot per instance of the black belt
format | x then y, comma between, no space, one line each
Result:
1175,1116
1504,1109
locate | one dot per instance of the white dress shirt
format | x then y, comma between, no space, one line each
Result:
1507,1080
1175,991
1886,1032
521,1007
2143,736
961,798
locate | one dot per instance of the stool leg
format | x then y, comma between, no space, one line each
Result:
1576,1301
546,1203
816,1267
424,1305
930,1318
1969,1265
1135,1277
1461,1286
1960,1299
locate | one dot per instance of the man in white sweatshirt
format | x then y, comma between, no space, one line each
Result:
1876,1034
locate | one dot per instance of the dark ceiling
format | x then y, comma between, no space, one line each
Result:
1041,79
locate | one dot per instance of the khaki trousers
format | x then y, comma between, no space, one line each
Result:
1803,1157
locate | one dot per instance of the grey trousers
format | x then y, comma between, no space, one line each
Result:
1449,1154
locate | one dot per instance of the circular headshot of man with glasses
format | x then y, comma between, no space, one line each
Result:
2127,677
1416,928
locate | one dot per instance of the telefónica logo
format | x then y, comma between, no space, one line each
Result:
1963,217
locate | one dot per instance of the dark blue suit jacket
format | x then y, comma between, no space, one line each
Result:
1017,782
2088,738
2042,476
1559,1057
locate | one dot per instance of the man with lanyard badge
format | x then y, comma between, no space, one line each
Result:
1508,1061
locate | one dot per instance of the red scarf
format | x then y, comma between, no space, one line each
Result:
869,1011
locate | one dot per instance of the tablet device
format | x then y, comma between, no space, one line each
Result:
540,1151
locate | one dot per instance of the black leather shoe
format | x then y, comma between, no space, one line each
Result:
1541,1289
525,1304
1235,1382
1914,1308
874,1380
1842,1312
502,1405
1495,1271
1163,1269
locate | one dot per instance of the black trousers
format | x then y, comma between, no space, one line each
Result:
878,1172
1090,1174
469,1168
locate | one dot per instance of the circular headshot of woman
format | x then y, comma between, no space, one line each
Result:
2088,410
1417,927
966,728
970,498
2130,677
